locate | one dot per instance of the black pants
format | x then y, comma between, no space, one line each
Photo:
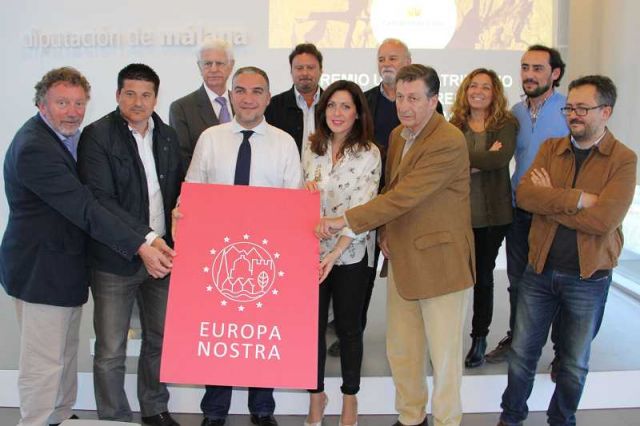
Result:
372,279
487,241
347,285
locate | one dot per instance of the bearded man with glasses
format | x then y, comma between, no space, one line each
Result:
579,189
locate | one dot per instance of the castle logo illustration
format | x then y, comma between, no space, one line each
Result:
243,271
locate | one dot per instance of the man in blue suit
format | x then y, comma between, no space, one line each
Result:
42,256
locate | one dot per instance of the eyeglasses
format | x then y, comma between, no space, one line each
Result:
210,64
580,111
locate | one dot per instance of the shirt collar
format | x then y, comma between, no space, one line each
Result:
525,98
60,136
595,144
260,129
300,100
383,93
213,95
409,135
151,126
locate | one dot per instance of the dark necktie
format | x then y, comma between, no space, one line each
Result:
243,163
224,116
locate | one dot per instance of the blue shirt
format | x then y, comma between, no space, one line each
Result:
550,123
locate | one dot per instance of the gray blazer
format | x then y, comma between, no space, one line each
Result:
190,116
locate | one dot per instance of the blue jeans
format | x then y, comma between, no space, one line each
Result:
217,400
517,260
580,303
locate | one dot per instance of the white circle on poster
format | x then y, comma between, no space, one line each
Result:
421,24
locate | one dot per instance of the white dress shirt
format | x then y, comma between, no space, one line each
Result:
308,112
216,105
156,205
352,181
275,161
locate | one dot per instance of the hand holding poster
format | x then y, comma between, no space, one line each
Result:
243,300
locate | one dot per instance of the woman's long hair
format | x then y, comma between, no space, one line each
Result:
361,132
498,114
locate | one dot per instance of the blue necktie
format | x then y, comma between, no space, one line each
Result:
224,116
68,143
243,163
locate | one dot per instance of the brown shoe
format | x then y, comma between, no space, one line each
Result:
499,354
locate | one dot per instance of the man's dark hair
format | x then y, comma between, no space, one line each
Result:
139,72
250,70
309,48
67,75
607,93
555,60
415,72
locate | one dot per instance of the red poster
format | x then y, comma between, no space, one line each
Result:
243,300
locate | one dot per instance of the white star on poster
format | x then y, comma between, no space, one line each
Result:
209,287
245,236
226,239
259,304
205,269
275,292
265,241
241,308
276,255
223,303
281,274
212,251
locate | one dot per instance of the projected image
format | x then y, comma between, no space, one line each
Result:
423,24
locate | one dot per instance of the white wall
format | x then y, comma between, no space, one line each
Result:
604,38
24,65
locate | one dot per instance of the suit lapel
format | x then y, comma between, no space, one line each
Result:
395,156
205,108
65,152
397,162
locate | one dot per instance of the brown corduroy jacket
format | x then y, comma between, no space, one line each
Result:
425,212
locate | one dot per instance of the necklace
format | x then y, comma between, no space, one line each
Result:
534,110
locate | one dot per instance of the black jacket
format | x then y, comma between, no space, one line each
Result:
283,112
108,162
43,252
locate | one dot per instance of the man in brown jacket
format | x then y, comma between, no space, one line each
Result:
426,235
579,189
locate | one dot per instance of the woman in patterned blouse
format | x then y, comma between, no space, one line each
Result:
341,162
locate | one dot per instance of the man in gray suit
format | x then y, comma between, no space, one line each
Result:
209,105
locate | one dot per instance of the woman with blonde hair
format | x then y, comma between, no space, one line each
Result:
480,112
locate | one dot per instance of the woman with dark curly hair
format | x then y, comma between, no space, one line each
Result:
341,162
480,112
